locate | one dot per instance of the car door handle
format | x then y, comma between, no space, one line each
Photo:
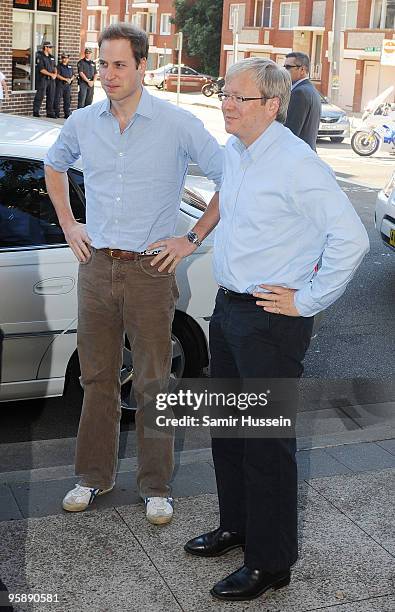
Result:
54,286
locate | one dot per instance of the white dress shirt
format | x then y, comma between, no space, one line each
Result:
281,213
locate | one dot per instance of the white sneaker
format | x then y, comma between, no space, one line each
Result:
79,498
159,510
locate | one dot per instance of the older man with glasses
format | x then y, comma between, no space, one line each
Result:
304,111
280,212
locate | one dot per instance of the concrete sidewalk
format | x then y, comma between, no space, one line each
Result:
109,558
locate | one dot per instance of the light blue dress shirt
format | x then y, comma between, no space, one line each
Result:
281,212
134,179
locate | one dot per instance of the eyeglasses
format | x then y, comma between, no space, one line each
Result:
289,66
224,97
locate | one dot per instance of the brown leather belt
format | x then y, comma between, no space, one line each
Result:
126,255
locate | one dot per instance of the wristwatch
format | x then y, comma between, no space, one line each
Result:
194,238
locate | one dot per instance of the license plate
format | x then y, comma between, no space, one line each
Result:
328,127
392,237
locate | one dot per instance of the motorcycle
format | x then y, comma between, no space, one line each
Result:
367,142
214,86
378,127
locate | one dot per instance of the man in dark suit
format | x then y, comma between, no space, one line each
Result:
304,111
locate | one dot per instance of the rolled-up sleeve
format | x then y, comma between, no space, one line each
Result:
65,150
321,200
204,149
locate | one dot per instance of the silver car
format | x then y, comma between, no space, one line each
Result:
38,274
334,122
384,216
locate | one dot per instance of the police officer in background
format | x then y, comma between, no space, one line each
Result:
64,78
87,74
45,80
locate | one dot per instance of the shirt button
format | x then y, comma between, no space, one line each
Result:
118,199
121,155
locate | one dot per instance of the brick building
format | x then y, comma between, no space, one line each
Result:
153,17
24,25
273,28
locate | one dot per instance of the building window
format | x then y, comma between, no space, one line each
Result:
103,21
236,16
147,22
289,15
33,22
383,14
318,14
165,25
349,10
113,19
151,23
91,23
263,13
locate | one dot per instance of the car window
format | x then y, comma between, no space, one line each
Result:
27,216
78,179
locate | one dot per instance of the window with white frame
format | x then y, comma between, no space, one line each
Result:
165,25
289,15
113,19
236,16
263,13
349,10
151,23
91,23
383,14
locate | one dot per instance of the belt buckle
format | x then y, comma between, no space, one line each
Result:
112,254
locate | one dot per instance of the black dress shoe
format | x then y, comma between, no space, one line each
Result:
247,584
36,114
214,543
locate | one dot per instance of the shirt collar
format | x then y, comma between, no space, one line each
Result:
297,82
144,108
263,142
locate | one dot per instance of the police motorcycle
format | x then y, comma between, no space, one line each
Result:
377,131
214,86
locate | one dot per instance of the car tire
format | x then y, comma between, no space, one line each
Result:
337,138
189,359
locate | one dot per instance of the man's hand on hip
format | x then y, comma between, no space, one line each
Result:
279,300
79,241
173,250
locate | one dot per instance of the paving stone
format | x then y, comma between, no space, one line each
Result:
8,507
368,499
386,603
336,558
91,560
317,462
388,445
363,457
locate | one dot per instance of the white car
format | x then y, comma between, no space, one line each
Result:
384,216
158,76
38,274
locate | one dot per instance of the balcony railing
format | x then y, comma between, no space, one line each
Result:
315,72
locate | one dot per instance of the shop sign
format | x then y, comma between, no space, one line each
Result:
24,4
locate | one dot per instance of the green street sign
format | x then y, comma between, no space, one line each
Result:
372,49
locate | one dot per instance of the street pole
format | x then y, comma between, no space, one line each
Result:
164,66
179,67
335,65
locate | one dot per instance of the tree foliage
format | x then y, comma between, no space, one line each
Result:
201,24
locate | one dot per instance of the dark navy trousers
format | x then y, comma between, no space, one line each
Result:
257,477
